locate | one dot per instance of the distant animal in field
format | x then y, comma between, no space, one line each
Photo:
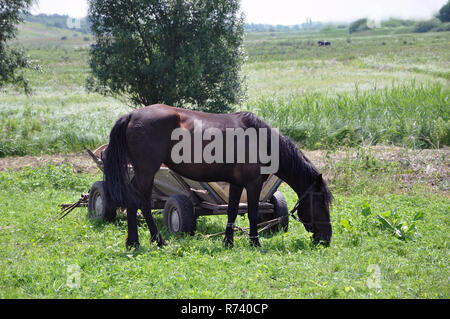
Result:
323,43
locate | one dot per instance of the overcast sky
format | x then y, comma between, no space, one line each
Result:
290,11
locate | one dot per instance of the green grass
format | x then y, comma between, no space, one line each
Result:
41,258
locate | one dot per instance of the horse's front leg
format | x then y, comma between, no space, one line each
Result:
232,211
253,193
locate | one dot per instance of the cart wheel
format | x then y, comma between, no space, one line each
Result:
280,210
97,206
179,215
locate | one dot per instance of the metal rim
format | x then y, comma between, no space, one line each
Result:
174,219
98,205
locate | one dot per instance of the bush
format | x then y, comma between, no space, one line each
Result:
443,27
395,23
392,23
425,26
181,53
358,25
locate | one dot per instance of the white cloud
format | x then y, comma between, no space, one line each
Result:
73,8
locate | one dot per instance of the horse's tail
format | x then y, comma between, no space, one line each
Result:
118,188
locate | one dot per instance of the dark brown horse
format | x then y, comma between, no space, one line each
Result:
144,138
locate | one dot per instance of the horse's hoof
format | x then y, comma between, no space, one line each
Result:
132,245
228,242
255,242
159,240
162,243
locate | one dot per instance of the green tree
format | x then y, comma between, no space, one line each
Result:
444,13
180,52
358,25
12,60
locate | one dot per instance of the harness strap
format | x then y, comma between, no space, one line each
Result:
299,201
297,204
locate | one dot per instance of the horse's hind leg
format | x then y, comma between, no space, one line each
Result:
154,231
146,185
232,211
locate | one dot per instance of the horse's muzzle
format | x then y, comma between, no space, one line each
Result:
323,236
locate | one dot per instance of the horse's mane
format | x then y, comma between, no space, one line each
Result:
291,157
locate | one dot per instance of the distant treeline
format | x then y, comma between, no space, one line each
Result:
252,27
434,24
61,21
83,24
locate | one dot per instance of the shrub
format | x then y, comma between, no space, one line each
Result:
358,25
443,27
395,23
425,26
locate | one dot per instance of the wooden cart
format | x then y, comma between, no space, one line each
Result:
184,200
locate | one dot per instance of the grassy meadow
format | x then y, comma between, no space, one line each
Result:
390,217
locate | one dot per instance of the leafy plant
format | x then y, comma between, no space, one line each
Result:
402,229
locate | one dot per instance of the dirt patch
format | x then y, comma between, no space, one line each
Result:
428,166
81,162
426,161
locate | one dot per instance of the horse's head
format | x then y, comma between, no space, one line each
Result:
314,211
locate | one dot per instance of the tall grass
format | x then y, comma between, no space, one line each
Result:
408,114
56,124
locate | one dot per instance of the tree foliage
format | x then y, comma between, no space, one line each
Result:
444,12
428,25
12,60
178,52
358,25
